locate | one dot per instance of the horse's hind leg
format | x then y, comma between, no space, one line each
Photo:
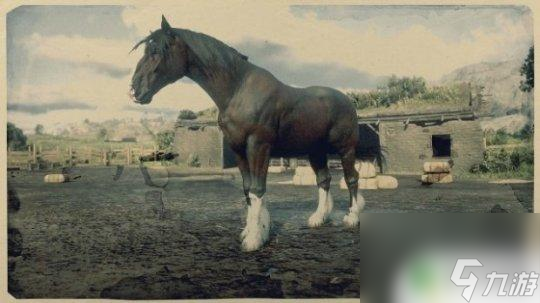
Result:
258,219
320,166
356,201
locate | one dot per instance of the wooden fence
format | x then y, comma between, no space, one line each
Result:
36,157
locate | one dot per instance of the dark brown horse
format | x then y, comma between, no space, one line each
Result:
260,117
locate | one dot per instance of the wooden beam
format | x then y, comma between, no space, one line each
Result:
373,128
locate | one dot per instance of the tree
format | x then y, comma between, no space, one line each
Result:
102,134
165,139
187,114
527,70
16,140
39,129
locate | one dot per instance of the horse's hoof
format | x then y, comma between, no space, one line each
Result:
252,242
244,233
351,220
316,220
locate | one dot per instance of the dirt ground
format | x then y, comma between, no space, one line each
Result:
108,234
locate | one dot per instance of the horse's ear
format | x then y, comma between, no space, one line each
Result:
165,27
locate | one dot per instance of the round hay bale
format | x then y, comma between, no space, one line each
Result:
56,178
366,169
386,182
436,167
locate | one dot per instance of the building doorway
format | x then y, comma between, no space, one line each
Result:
441,145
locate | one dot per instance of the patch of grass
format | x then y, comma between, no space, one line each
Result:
505,163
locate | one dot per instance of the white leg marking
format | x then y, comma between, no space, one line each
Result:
352,219
257,229
326,203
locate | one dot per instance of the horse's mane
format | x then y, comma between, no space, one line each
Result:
209,50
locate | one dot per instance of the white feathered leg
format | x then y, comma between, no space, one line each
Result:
257,229
326,203
353,217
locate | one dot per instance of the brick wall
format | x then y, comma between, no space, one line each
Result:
406,148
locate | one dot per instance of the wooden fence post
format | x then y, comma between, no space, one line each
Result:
34,155
70,155
104,157
128,156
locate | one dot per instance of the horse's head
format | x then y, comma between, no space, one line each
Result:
165,60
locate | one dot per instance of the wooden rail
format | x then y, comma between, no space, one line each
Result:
38,157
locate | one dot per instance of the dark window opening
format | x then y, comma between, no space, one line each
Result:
442,145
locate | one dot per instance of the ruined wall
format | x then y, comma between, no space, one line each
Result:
406,148
206,142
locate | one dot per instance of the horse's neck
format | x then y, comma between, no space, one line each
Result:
219,82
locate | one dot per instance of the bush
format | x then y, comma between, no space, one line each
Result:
16,140
499,137
402,89
193,160
165,139
516,162
187,114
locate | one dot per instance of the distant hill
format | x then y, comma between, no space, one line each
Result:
117,129
501,82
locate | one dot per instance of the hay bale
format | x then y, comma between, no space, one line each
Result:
437,178
366,169
363,183
386,182
446,179
304,175
368,183
436,167
276,169
304,170
56,178
305,180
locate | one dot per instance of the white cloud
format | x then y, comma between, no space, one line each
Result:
412,50
416,49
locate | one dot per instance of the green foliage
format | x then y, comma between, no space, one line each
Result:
499,137
527,70
102,134
404,89
165,139
16,140
39,129
187,114
193,160
507,162
526,133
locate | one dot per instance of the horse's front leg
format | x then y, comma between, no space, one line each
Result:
258,219
243,165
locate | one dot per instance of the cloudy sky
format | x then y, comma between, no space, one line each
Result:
68,63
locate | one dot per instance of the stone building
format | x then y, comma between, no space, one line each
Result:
204,141
399,144
407,141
